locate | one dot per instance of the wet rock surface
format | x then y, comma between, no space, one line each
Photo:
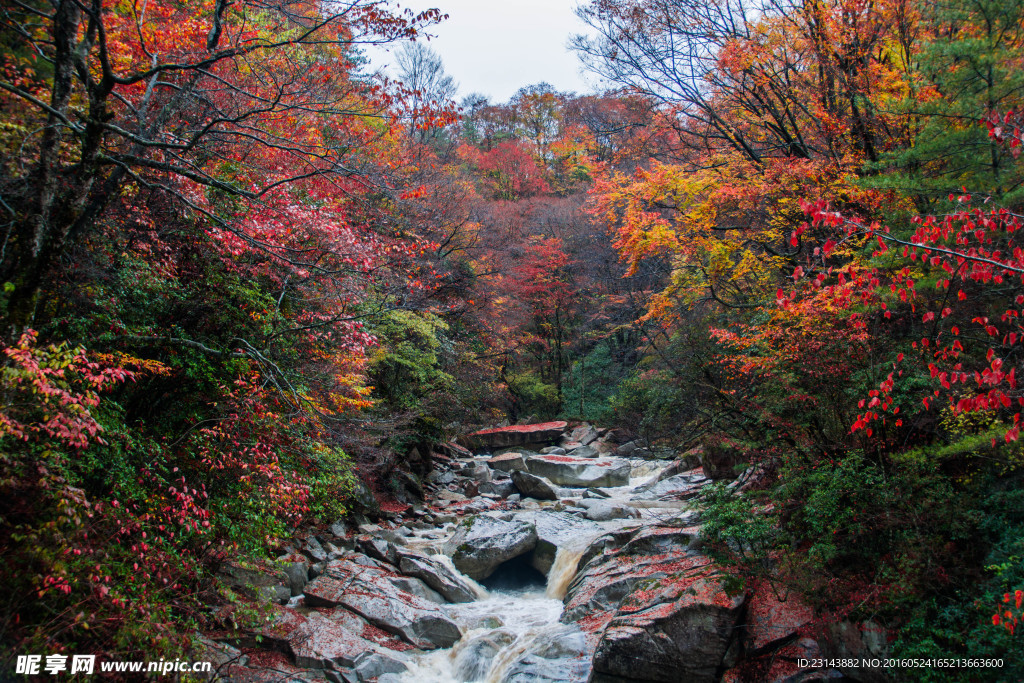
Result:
482,543
366,591
567,470
590,551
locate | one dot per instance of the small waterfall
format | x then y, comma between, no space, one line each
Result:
481,592
563,569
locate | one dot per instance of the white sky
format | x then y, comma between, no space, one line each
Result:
496,47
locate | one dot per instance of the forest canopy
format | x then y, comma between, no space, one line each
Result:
249,287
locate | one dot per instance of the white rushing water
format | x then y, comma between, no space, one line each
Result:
563,569
517,632
490,643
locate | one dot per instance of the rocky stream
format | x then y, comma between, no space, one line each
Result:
540,553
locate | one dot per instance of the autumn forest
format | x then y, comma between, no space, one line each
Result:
250,287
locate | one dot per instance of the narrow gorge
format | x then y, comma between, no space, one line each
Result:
547,552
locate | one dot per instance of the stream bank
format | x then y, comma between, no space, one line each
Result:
545,553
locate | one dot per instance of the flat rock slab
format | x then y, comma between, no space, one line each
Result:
565,470
514,435
369,592
483,543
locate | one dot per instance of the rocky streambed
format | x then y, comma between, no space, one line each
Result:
551,554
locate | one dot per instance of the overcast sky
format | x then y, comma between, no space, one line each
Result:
496,47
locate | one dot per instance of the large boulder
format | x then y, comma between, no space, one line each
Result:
515,435
608,574
850,641
533,487
658,607
411,584
565,470
316,640
482,543
368,592
678,629
438,576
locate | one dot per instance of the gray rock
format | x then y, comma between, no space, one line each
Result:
339,529
625,450
607,576
393,537
612,540
298,576
221,654
483,543
585,434
436,575
676,487
533,486
370,593
378,548
603,512
372,665
565,470
276,594
584,452
364,561
451,496
313,550
508,462
478,473
318,641
552,450
503,488
418,588
678,634
442,478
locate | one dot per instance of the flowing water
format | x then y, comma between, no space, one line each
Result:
515,633
510,632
